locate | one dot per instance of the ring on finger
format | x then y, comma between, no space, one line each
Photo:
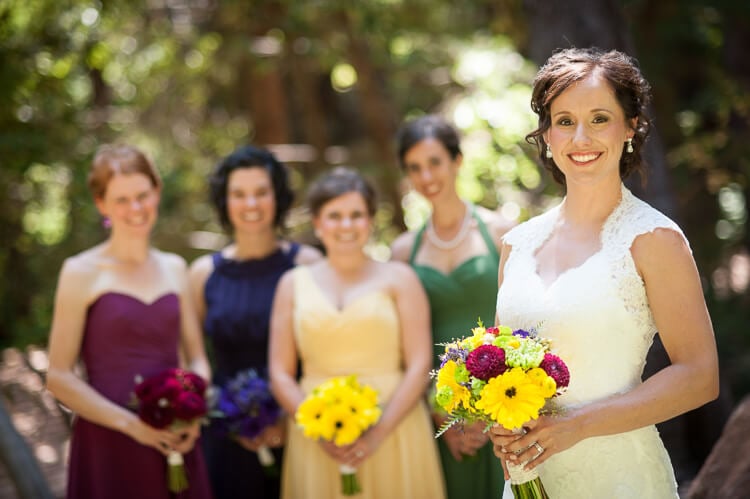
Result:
539,449
360,454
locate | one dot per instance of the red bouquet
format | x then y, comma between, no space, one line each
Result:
173,398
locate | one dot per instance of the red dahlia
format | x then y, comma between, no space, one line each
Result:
556,369
486,362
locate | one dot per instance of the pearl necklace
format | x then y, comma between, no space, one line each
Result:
457,239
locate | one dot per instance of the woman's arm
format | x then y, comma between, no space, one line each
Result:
414,320
307,255
282,348
692,379
191,334
71,303
401,247
191,344
198,274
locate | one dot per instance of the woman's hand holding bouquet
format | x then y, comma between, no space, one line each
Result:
246,411
338,413
173,399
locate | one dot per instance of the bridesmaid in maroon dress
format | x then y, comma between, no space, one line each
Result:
124,309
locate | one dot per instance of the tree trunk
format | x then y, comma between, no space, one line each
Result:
378,118
305,75
266,100
20,462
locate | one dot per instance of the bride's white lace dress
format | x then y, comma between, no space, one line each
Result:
598,318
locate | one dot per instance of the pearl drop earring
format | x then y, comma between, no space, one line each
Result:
629,147
548,152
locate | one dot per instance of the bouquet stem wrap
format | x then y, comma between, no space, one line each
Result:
176,477
268,461
525,484
265,457
349,483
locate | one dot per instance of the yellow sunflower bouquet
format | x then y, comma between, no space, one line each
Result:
498,375
340,410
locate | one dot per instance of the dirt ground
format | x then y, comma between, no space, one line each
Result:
35,415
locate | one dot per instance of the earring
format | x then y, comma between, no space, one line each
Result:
317,233
629,147
106,222
548,152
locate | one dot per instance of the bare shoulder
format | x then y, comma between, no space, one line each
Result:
307,254
286,284
78,276
82,267
201,268
171,261
652,249
402,246
496,223
399,274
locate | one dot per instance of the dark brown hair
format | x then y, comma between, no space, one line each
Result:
338,182
251,157
568,66
430,126
114,159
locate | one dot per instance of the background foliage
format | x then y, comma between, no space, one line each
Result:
327,82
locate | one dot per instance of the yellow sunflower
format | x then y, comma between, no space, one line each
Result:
512,398
459,394
309,416
362,408
346,428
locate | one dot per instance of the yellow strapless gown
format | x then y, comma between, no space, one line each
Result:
361,339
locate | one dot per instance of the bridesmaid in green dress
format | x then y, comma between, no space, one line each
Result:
455,254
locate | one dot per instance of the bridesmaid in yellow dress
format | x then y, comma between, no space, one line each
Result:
349,314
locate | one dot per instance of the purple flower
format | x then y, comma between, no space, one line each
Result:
246,406
556,369
521,333
486,362
457,355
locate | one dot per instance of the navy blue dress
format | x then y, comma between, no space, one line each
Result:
238,297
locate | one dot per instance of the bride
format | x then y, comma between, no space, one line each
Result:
600,274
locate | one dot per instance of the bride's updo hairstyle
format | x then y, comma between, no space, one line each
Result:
338,182
118,159
568,66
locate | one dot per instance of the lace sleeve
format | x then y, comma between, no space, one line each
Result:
635,219
532,233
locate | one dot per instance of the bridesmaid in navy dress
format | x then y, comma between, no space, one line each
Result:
233,290
124,309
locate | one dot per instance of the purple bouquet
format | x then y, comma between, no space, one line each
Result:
245,407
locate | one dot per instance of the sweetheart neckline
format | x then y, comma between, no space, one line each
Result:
135,298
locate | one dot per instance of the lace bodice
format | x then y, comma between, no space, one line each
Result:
598,319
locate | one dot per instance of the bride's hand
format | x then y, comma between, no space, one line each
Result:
543,438
501,439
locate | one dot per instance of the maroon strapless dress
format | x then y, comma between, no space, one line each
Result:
124,337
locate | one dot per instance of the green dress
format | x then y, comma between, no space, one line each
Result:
457,299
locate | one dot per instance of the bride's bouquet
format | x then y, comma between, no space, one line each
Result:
500,376
340,410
